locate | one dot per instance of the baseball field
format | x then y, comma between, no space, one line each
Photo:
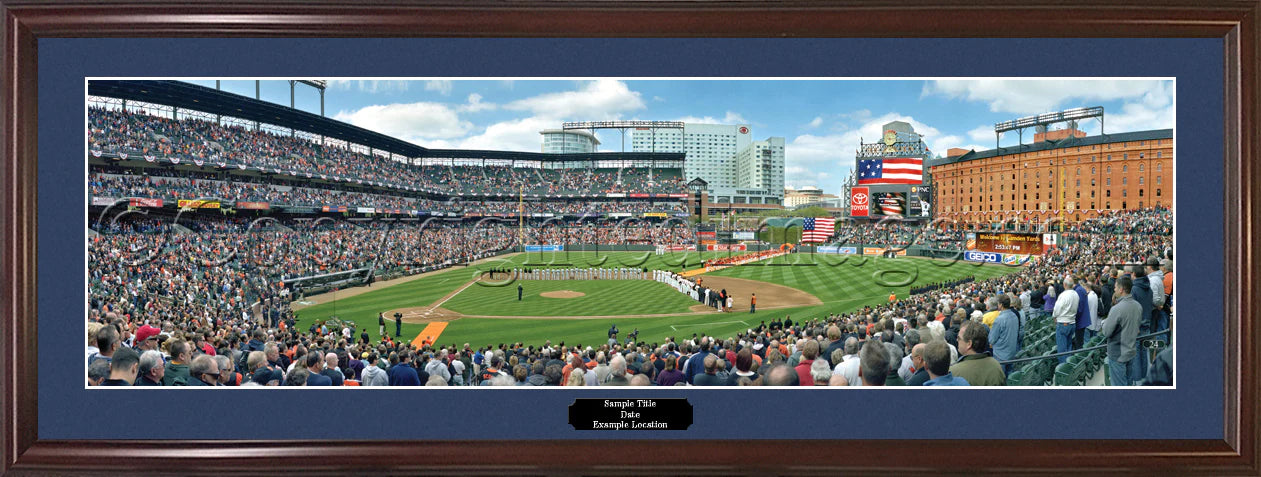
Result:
465,305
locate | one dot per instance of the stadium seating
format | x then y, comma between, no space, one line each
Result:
194,139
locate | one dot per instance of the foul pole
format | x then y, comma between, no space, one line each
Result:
521,216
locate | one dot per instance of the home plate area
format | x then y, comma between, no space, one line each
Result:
423,314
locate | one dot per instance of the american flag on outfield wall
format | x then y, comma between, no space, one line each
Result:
894,170
817,230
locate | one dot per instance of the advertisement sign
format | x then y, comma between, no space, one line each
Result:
656,214
619,214
1024,244
335,208
1013,259
987,257
253,205
859,202
707,235
300,210
742,236
1048,240
544,248
971,242
723,247
677,196
103,200
638,196
619,194
198,204
881,251
679,248
837,250
145,202
366,210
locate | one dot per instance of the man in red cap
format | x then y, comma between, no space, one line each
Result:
146,339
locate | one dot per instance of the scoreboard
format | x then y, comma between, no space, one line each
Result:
1022,244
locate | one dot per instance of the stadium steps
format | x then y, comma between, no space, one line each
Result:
180,229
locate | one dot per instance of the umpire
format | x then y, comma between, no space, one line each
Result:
398,324
520,290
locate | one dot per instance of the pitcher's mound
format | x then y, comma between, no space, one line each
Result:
562,294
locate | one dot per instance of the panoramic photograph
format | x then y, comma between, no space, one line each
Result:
598,232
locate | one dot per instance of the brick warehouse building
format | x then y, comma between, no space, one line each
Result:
1063,174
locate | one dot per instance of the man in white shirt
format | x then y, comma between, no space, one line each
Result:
848,366
1065,315
938,330
1092,307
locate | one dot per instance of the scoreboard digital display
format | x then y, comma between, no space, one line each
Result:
1023,244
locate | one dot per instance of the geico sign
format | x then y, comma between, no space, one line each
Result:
983,257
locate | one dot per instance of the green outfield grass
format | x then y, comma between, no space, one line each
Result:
848,279
603,297
842,283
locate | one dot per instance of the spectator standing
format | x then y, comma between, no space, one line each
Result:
1120,329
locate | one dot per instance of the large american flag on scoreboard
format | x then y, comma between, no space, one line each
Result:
817,230
894,170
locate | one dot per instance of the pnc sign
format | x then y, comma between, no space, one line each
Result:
859,202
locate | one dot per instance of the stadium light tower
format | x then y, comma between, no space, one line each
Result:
319,85
1046,119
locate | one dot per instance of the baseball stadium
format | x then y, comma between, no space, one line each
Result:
239,242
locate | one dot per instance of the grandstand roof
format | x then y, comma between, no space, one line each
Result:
549,157
209,100
1060,144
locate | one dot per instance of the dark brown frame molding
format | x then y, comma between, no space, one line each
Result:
1233,21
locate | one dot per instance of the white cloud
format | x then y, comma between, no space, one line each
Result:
475,104
658,99
596,101
818,121
1154,110
380,86
982,133
369,86
730,118
1037,96
415,122
443,87
512,135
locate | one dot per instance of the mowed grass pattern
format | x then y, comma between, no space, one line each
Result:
603,297
842,283
840,280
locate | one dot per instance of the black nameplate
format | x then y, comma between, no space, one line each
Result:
674,414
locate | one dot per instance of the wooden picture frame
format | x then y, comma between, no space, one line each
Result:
1234,22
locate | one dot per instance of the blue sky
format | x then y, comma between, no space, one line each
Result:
821,121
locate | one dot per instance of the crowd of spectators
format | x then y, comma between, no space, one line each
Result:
610,233
197,139
171,188
950,334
